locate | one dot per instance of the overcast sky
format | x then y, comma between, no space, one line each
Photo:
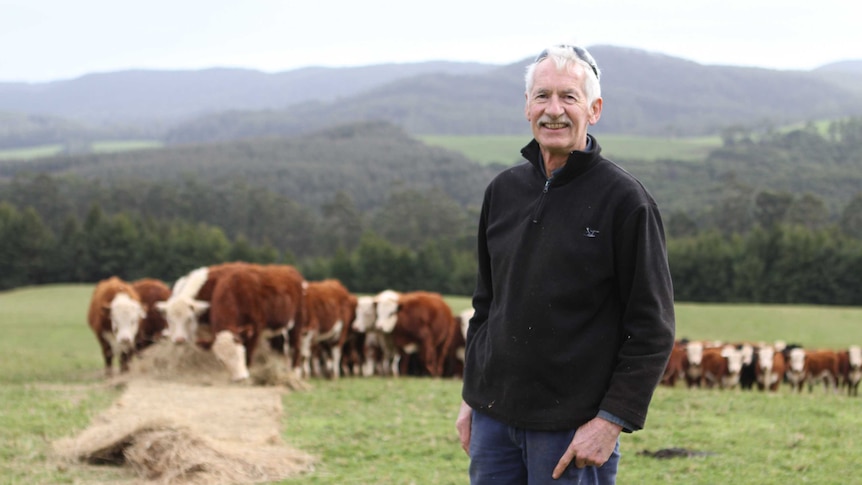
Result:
43,40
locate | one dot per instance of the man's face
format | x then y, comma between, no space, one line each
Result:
557,108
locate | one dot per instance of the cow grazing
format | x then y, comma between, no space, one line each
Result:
189,303
721,366
250,302
418,322
329,311
151,291
114,315
769,367
850,369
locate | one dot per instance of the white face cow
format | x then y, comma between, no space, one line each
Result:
126,316
181,314
232,354
855,353
734,359
797,360
765,356
694,352
387,311
365,314
465,317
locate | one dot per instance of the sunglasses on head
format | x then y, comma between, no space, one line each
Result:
579,51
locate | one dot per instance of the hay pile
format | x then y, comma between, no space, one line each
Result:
190,363
179,421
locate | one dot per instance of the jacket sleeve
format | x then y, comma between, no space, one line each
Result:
647,324
483,292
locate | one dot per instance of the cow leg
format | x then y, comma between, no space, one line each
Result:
335,361
125,357
107,355
305,353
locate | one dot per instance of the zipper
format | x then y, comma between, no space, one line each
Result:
541,204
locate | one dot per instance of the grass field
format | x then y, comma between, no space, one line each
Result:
41,151
385,431
506,149
485,149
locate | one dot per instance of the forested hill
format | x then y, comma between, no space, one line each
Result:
366,161
645,93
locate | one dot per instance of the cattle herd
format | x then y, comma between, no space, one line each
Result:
321,328
765,366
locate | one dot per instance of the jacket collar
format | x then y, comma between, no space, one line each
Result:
578,162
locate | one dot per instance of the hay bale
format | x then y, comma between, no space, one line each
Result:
176,433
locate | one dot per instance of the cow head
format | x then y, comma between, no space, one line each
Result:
231,353
464,319
694,353
855,356
734,359
387,311
797,360
765,356
365,314
182,314
126,315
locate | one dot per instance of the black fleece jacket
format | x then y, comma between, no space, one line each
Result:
573,300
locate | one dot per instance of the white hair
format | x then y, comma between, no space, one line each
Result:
566,57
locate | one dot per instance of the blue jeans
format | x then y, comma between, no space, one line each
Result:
502,454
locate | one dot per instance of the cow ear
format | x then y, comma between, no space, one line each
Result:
199,307
106,309
162,307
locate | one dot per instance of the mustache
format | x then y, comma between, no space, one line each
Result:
545,119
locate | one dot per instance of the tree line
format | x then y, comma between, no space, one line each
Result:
780,263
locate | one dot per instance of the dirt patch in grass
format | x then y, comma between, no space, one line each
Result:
180,421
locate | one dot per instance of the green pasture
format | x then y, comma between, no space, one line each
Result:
388,431
506,149
42,151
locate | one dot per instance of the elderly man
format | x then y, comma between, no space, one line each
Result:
574,317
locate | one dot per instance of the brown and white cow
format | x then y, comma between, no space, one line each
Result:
189,303
674,368
419,322
151,291
691,363
455,358
251,302
329,311
114,315
721,366
813,366
769,367
850,369
378,351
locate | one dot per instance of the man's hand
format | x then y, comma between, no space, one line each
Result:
462,424
592,445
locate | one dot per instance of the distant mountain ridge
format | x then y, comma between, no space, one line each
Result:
645,93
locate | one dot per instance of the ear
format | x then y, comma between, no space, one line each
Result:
527,106
106,310
199,307
596,111
162,307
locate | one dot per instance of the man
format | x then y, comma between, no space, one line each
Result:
574,319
